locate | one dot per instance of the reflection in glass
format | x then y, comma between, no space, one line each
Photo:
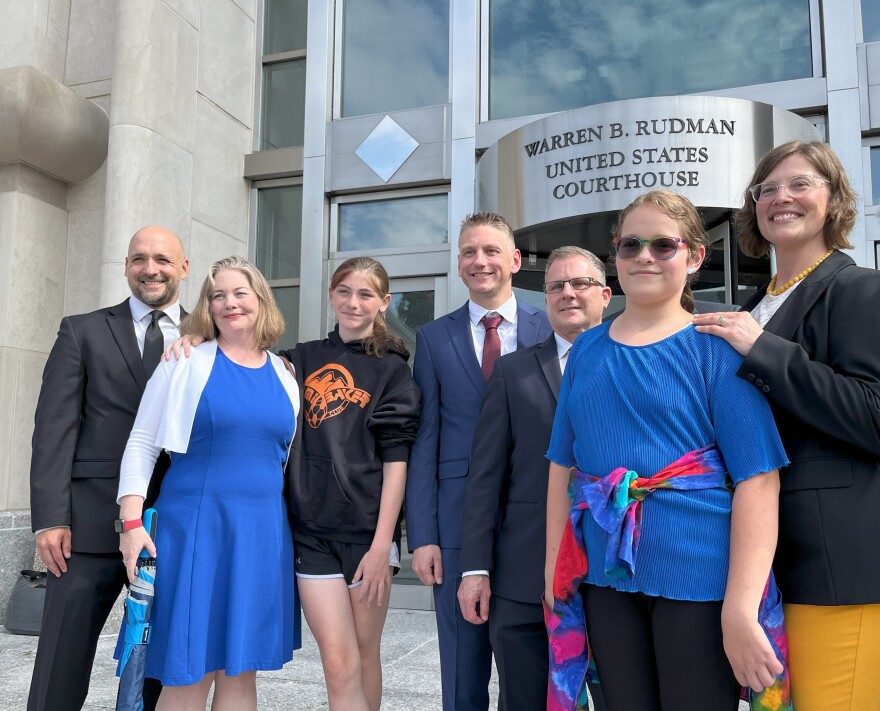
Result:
395,55
284,104
555,56
279,232
285,26
403,222
871,21
709,285
288,301
407,312
875,175
386,148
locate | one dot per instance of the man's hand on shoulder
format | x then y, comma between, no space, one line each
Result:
473,598
428,564
53,545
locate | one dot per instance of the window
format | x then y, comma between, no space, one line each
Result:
284,74
870,21
875,175
277,250
407,313
395,55
402,222
554,56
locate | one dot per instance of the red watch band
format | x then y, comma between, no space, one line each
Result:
131,524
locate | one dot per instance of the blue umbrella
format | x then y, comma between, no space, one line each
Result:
135,633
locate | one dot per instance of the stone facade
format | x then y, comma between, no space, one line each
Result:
153,115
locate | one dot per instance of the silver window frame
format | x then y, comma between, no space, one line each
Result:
400,262
483,69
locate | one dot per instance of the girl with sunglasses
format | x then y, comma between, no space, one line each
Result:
811,343
671,462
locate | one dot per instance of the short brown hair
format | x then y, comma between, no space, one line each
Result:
841,214
270,322
571,252
488,219
676,207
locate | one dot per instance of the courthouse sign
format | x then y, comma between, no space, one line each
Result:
598,158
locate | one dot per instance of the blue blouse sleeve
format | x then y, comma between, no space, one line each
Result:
744,426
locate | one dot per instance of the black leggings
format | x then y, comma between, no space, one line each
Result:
657,654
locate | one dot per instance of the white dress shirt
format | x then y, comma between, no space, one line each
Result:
562,349
506,329
140,314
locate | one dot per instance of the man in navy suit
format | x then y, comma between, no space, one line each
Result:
454,358
505,508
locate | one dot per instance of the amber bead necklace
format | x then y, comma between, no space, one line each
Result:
771,287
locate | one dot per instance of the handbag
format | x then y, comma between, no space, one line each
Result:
24,611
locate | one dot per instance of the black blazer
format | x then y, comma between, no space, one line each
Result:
92,386
505,505
818,363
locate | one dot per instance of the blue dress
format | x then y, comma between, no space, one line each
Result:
225,596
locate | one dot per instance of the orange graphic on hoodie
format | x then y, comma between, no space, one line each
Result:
328,391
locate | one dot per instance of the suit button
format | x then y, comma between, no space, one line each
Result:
751,377
766,388
759,382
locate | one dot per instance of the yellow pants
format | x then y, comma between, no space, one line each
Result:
834,657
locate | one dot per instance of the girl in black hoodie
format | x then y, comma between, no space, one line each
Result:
346,477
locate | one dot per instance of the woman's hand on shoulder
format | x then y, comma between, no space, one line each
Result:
375,572
738,328
131,543
748,650
182,346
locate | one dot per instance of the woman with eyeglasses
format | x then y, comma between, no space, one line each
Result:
811,343
662,494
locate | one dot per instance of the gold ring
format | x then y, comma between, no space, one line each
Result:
721,321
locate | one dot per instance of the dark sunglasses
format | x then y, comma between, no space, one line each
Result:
660,247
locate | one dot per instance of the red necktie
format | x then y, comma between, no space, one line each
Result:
491,344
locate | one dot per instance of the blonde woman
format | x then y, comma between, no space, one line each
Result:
227,414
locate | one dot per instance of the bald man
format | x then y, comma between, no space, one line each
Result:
92,386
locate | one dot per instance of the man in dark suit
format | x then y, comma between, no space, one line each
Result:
454,358
92,386
505,507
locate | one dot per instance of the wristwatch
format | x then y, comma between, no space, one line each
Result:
121,526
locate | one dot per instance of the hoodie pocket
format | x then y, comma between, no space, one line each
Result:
322,501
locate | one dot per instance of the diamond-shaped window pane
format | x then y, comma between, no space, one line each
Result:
386,148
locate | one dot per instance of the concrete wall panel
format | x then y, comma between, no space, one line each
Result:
226,58
91,35
155,72
220,193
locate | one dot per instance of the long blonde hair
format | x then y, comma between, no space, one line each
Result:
270,321
376,276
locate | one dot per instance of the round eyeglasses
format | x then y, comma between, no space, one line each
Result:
795,187
578,284
660,247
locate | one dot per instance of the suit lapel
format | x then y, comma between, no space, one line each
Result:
526,327
791,314
548,359
459,328
122,327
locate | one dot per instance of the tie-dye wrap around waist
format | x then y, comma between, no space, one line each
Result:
615,502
